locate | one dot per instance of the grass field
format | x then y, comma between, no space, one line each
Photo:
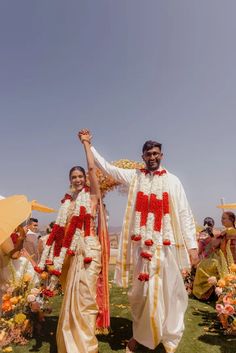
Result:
197,336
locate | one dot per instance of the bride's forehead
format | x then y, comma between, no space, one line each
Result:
77,173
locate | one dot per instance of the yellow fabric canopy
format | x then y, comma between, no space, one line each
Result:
14,210
227,206
41,208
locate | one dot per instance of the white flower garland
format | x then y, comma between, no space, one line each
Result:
48,251
83,199
156,184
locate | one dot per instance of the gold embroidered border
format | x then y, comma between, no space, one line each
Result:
155,301
126,235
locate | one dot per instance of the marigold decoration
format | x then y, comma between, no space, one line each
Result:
221,283
27,277
152,226
19,318
22,305
107,183
6,306
226,292
6,297
14,300
44,275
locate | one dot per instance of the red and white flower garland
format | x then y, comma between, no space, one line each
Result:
61,242
152,226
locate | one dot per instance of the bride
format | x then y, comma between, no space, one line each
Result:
75,250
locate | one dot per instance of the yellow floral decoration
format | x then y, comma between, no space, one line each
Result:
19,318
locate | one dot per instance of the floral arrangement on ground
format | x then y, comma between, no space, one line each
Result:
24,307
225,289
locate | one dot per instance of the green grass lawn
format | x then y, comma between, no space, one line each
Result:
197,336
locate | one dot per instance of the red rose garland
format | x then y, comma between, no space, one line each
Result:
148,242
136,237
61,241
146,255
151,212
48,293
143,277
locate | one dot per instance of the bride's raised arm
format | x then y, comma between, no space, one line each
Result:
85,138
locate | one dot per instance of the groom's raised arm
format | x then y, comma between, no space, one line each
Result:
124,176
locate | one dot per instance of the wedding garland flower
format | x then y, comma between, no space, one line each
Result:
65,241
152,226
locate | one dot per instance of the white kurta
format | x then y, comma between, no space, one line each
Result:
158,305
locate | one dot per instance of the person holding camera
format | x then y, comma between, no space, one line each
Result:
207,242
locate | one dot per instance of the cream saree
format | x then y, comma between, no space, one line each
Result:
77,321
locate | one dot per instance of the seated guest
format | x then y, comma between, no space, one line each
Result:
208,267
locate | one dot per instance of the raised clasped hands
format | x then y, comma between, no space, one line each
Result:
85,135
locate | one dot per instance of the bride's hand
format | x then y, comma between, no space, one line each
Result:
85,135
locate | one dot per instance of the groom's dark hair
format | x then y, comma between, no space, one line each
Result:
150,144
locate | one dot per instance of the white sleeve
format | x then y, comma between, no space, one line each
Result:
187,223
124,176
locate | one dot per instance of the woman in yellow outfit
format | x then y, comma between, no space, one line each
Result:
202,286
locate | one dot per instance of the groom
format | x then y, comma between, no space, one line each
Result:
159,239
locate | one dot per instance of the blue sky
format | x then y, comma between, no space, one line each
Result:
130,71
